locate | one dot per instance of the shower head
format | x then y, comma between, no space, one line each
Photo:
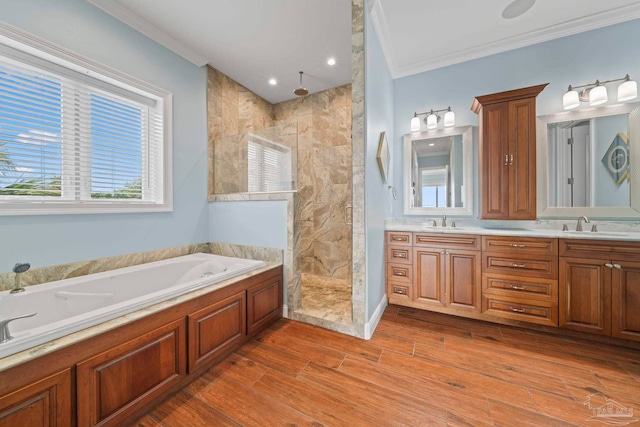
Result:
21,267
301,91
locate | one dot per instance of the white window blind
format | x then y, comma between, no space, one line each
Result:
268,165
75,141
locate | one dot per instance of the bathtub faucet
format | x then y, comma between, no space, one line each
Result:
5,335
19,268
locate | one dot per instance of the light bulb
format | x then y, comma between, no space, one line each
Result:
432,121
598,95
415,124
628,90
571,99
273,82
449,119
331,61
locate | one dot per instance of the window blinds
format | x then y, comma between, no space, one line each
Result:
76,140
268,165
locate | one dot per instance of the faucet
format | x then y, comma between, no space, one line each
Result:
5,335
444,220
579,225
434,224
19,268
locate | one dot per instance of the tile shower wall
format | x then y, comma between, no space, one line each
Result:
324,179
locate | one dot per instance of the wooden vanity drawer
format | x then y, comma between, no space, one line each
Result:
517,245
580,248
399,292
400,254
540,312
398,238
400,273
520,287
542,267
450,241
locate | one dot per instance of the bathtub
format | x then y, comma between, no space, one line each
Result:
69,305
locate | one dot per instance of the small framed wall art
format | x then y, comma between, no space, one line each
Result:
384,157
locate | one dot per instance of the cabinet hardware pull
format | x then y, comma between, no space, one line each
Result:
399,254
399,273
399,239
617,266
513,264
608,265
517,245
517,310
506,160
517,288
511,161
401,291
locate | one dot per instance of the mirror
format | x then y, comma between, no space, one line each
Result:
587,163
438,169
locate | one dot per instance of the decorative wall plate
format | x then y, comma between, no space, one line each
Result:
616,159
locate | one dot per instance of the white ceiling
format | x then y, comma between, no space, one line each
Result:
419,35
253,41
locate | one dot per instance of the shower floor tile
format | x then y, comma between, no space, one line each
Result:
326,298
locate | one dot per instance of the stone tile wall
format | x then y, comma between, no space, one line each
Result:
324,178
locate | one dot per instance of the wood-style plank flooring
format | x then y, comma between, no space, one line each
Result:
419,369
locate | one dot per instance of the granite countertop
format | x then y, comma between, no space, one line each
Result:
521,232
67,340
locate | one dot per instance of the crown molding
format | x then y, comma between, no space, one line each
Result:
587,23
113,8
381,28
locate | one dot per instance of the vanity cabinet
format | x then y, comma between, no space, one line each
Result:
46,402
434,271
507,153
520,279
600,287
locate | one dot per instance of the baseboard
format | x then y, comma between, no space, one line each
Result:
285,311
370,326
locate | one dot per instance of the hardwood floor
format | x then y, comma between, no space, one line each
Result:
419,369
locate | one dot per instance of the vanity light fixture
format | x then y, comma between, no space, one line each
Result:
596,93
432,118
331,61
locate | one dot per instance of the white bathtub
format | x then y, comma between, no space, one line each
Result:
69,305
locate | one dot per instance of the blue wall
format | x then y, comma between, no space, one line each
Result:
379,118
253,223
55,239
605,53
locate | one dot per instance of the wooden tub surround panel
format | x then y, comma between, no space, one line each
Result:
120,374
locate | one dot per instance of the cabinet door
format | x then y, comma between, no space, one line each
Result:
216,329
494,165
429,267
43,403
115,383
264,305
585,295
463,280
625,322
522,159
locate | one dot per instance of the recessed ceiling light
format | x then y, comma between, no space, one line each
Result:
273,82
331,61
431,144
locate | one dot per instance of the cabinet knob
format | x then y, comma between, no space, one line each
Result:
608,265
399,239
506,160
517,245
517,288
399,273
517,310
399,254
514,265
617,266
399,290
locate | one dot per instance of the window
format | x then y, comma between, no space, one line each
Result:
268,165
434,187
74,139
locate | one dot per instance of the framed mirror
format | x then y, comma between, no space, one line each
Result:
438,171
588,163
